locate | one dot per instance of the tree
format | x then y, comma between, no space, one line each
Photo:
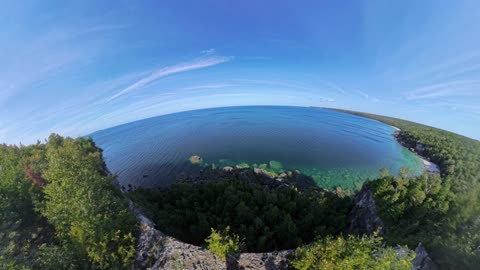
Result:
384,172
404,172
84,206
223,242
351,253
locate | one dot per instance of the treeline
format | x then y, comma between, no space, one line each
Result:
264,219
59,209
442,212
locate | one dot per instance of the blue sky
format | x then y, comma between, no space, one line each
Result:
74,68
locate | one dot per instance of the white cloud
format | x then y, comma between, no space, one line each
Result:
363,94
166,71
208,86
334,87
466,88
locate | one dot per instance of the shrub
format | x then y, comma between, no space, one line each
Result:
223,242
350,253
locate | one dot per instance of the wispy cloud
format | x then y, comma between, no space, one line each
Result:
466,88
334,86
208,86
199,63
363,94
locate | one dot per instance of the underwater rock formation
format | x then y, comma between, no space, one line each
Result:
195,159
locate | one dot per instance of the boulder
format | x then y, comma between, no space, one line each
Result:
196,159
227,168
263,172
276,166
242,166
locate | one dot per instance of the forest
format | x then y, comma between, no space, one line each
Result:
60,209
265,220
443,212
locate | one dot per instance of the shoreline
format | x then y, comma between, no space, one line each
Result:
429,166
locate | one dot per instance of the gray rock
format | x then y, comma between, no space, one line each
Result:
196,159
277,260
422,260
262,172
155,250
227,168
363,218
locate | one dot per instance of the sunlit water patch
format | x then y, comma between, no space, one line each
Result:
335,149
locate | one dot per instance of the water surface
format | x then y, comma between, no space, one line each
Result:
336,149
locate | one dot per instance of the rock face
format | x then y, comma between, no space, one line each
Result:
269,261
363,218
422,261
155,250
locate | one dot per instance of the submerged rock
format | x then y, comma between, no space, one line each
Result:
242,166
263,172
196,159
227,168
275,166
263,166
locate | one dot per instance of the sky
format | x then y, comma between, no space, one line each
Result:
74,67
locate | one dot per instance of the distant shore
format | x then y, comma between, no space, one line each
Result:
429,166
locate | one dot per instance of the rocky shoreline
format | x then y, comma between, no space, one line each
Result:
430,167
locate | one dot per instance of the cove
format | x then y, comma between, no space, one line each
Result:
334,148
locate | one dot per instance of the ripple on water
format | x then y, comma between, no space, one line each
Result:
336,149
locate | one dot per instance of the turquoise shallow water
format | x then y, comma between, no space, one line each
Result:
336,149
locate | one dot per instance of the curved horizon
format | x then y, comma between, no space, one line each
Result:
74,68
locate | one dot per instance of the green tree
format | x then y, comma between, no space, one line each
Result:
404,172
84,206
384,172
351,252
223,243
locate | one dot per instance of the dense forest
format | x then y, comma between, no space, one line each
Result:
266,220
59,209
442,211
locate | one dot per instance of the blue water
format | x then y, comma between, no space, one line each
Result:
334,148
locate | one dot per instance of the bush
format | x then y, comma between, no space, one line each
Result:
350,253
223,242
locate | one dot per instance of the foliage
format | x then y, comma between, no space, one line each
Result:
51,256
60,208
223,242
442,212
84,205
351,252
268,219
11,264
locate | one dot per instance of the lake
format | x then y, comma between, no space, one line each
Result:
334,148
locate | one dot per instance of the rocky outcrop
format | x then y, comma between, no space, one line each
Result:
257,175
156,250
422,260
364,220
363,217
277,260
